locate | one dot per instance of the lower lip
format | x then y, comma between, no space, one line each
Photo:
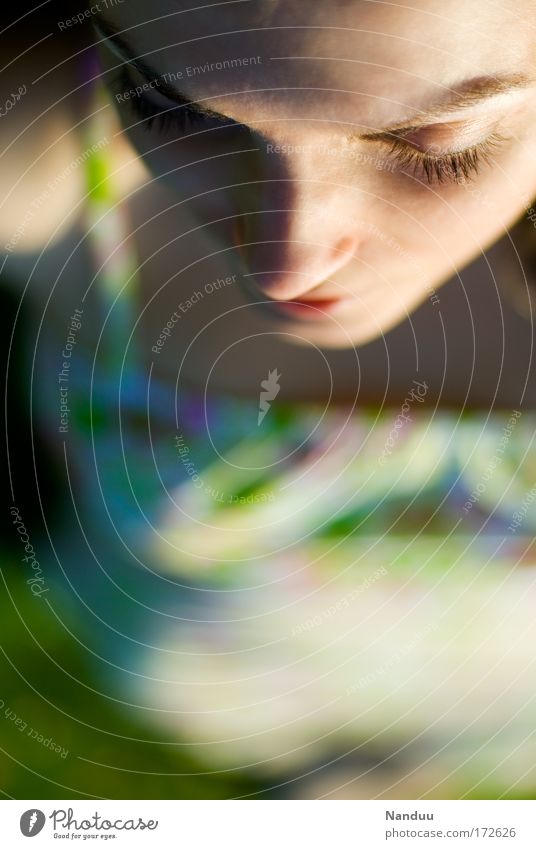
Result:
314,310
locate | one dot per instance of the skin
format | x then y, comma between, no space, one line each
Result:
308,205
333,213
346,221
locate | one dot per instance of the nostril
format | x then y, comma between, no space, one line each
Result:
280,285
285,269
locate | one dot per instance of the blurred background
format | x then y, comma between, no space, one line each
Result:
254,643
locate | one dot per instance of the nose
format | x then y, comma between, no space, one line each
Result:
295,237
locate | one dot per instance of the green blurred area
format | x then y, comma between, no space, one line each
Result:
48,679
51,683
45,679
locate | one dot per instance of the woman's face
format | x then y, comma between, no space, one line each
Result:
355,153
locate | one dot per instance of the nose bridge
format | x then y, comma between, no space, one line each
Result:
300,195
296,233
298,209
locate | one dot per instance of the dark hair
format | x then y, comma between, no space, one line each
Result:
24,15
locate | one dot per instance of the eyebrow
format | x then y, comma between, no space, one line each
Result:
465,95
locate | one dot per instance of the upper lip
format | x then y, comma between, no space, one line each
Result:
261,297
313,301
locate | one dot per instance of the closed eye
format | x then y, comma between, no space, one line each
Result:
457,166
175,117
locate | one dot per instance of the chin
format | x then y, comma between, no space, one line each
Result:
338,335
333,338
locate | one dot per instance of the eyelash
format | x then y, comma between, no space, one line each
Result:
458,167
179,118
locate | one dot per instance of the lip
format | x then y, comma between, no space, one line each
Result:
311,310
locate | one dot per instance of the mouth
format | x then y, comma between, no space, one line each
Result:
309,310
298,308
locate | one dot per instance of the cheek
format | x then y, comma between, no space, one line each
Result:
489,205
448,225
193,167
425,238
463,219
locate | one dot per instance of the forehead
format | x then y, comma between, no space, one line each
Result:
377,56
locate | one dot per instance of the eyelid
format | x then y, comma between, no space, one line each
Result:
127,66
485,121
152,86
449,166
179,117
444,138
384,135
171,107
402,133
494,109
202,114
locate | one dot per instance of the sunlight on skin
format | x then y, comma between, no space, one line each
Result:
339,213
